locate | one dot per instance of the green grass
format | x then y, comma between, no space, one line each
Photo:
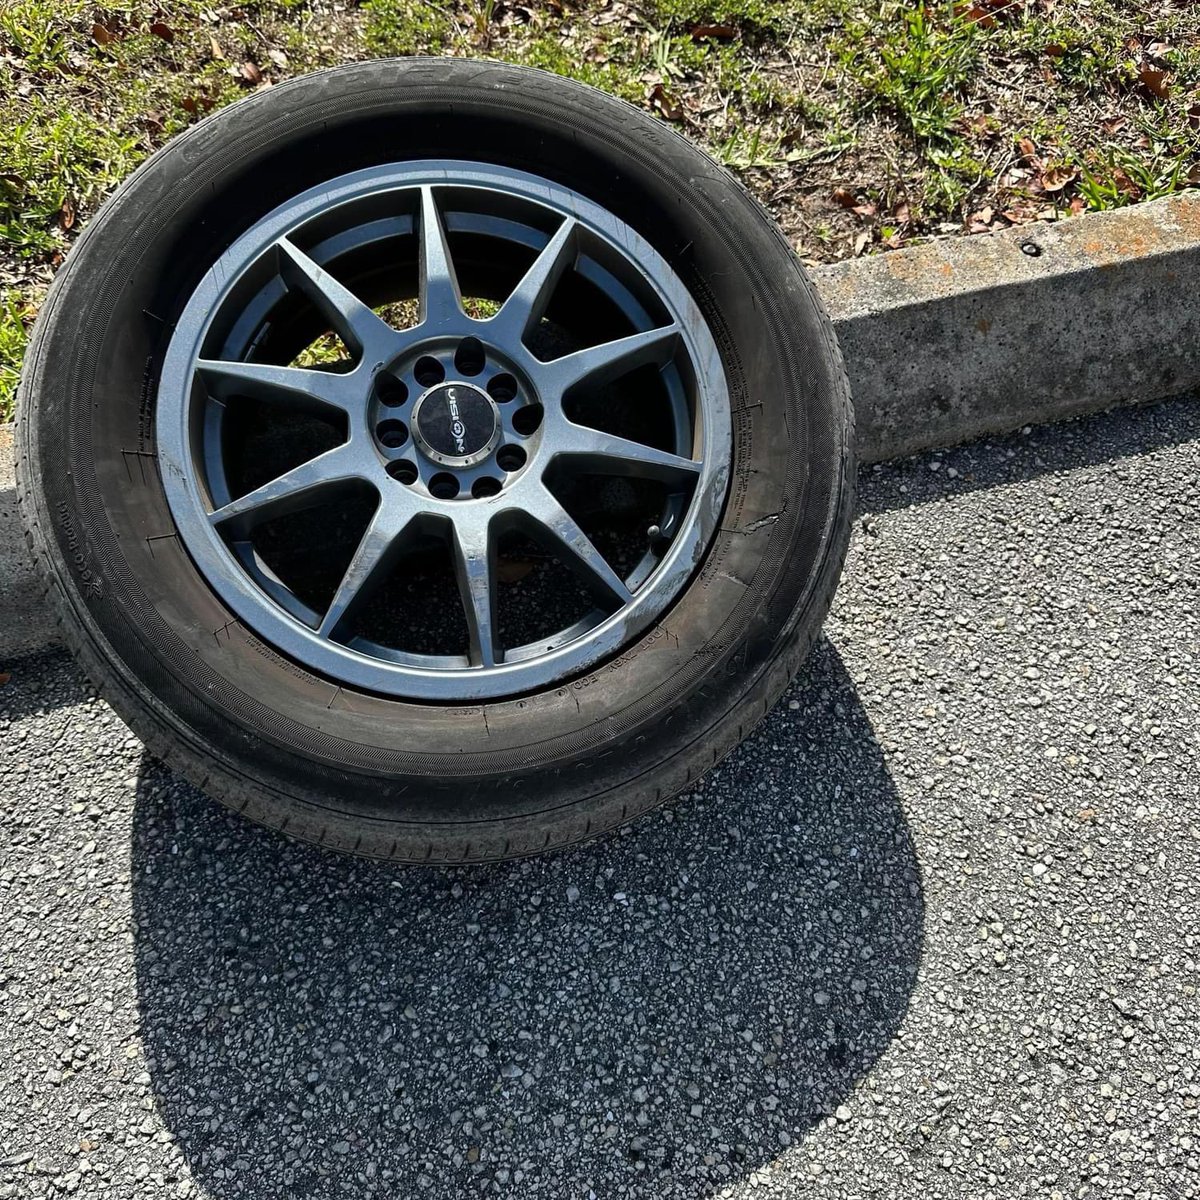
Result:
14,336
58,161
915,110
915,62
403,27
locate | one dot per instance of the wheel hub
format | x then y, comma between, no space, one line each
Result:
456,424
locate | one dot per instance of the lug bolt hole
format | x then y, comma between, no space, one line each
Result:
391,391
527,419
502,388
469,358
428,371
392,434
510,458
484,487
443,486
403,471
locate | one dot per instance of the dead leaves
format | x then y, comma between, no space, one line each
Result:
112,30
1054,179
1155,82
886,227
665,104
847,199
719,33
1028,152
1149,72
1036,174
197,104
1124,184
985,13
983,221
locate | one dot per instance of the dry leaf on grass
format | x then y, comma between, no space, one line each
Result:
663,102
1126,185
976,14
1155,82
981,221
1029,153
1054,179
102,35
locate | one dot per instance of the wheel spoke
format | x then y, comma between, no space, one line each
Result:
294,490
606,454
364,333
610,360
440,298
577,549
526,306
366,567
476,584
296,387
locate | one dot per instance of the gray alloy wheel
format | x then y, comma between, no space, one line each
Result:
436,460
456,424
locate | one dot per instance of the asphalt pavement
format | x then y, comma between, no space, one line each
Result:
932,930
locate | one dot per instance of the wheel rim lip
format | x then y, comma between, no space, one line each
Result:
408,679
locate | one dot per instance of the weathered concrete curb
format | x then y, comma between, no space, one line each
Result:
24,622
943,342
966,336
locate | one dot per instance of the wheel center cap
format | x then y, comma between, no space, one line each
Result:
456,424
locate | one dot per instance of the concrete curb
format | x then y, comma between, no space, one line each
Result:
24,623
967,336
944,342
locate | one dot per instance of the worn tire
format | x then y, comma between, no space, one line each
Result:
394,778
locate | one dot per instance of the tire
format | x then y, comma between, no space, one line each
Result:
369,763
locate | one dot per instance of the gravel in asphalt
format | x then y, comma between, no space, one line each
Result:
934,928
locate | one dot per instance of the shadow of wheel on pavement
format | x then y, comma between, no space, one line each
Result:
661,1013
